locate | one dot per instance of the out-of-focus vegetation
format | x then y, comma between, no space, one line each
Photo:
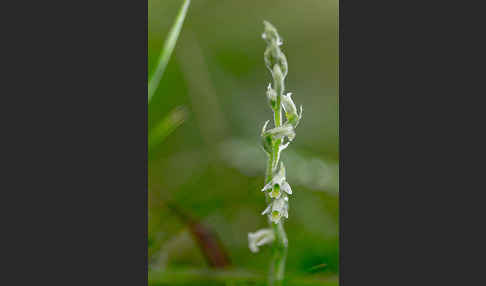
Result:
206,171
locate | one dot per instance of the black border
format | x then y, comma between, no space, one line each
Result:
75,132
78,82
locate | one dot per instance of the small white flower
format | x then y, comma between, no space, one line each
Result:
278,184
277,209
259,238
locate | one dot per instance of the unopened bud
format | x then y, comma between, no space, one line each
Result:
273,56
272,97
278,79
290,110
270,34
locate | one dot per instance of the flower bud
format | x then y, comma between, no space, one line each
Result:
273,56
270,34
290,110
278,79
272,97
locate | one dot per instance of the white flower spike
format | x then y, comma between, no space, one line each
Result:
277,190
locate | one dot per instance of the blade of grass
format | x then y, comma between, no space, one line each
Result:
167,50
205,104
166,126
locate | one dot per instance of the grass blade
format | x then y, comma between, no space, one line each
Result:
167,50
168,124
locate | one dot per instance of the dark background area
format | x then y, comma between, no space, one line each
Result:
75,182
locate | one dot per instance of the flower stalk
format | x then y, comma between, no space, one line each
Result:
274,141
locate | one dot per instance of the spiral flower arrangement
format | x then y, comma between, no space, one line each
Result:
277,190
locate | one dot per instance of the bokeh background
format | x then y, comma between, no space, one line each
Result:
205,176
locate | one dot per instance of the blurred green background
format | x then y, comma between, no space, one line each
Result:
209,170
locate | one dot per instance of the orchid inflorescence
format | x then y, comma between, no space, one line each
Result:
277,190
278,138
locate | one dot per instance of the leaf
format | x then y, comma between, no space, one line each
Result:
167,50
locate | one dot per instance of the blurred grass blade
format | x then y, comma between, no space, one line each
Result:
166,126
206,238
317,267
167,50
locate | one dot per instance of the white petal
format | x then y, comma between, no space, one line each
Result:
259,238
288,104
265,126
279,177
286,213
251,243
280,148
286,188
278,205
267,186
266,238
267,210
282,131
283,146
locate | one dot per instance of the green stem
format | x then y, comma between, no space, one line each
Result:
277,265
279,254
